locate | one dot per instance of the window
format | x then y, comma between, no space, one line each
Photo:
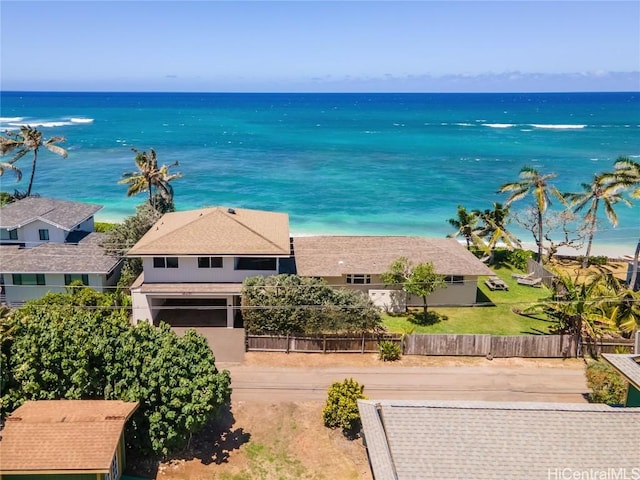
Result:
165,262
209,262
44,234
255,263
72,277
28,279
13,234
454,279
358,278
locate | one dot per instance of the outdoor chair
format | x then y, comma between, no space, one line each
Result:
532,282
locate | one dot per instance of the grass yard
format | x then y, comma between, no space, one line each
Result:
495,317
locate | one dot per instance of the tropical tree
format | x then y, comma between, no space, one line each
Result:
466,224
581,308
495,228
151,179
420,280
10,167
26,140
594,193
627,177
536,184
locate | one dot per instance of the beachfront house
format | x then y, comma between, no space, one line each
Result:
65,439
194,263
46,244
356,262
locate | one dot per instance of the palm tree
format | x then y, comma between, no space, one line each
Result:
532,182
627,177
495,222
149,178
10,166
599,190
466,224
29,139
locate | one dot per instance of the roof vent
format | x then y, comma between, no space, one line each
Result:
231,211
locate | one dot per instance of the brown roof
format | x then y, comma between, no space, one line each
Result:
190,288
217,231
63,435
333,256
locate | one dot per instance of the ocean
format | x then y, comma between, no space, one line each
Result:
352,163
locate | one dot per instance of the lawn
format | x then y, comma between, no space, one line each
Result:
494,316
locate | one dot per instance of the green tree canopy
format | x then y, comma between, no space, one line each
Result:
280,304
80,345
420,280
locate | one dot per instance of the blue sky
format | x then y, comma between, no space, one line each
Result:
313,46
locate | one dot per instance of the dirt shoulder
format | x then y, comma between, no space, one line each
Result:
320,360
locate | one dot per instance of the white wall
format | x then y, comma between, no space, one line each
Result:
141,307
54,282
456,294
29,234
188,272
86,226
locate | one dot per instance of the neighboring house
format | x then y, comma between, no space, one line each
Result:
65,439
45,244
357,262
629,367
194,263
493,440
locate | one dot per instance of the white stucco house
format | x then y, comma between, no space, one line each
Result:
194,263
45,244
356,262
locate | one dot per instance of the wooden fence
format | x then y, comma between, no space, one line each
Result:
526,346
540,271
365,343
596,347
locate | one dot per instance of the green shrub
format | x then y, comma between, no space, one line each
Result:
606,384
341,410
389,351
518,258
104,226
598,260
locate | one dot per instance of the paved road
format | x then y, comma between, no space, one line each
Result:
497,383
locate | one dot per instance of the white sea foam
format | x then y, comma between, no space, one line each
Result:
464,124
40,123
81,120
498,125
559,127
11,119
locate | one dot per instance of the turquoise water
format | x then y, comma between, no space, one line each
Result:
337,163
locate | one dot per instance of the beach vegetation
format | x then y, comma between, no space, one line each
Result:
103,227
24,141
285,304
420,280
154,180
537,185
80,345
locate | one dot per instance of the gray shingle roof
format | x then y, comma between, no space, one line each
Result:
423,440
628,365
87,256
61,213
333,256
